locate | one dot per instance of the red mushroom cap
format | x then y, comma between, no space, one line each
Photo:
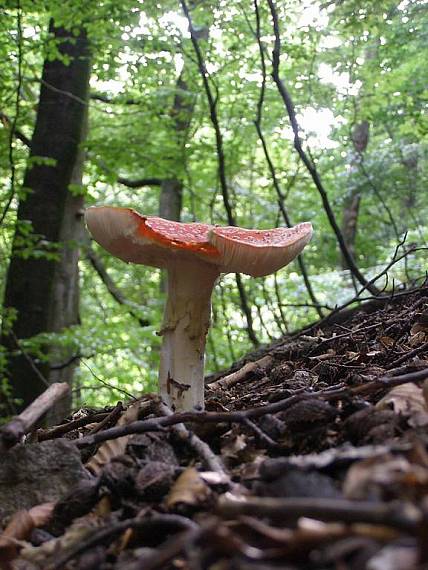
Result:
259,252
148,240
154,241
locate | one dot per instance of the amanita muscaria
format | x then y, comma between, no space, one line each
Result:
194,255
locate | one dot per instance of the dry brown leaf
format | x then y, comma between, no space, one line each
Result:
42,514
233,444
189,489
407,400
370,475
114,447
19,529
387,341
418,338
43,555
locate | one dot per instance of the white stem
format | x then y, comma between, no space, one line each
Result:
185,327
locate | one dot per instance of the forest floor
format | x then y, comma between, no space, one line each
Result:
313,454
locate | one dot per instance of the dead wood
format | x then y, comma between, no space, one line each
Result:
13,431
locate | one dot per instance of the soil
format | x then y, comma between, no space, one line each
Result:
312,455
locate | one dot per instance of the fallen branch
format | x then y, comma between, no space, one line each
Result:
108,533
407,355
62,429
403,516
211,460
243,373
12,432
159,424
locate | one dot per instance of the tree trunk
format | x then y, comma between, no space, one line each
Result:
171,193
351,207
170,199
44,291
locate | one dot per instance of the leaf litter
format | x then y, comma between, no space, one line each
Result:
312,455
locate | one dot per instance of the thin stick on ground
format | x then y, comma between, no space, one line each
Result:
402,516
110,532
159,424
211,460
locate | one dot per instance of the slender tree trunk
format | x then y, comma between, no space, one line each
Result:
43,291
351,210
171,189
170,199
351,207
64,309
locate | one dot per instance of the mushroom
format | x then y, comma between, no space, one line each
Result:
194,255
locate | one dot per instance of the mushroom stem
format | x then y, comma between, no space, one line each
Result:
184,330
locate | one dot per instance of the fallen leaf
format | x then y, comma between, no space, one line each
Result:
387,341
189,489
114,447
394,557
371,476
19,529
407,400
233,445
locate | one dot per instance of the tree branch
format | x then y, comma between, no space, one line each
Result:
275,181
307,161
139,182
14,122
241,416
7,122
212,103
98,265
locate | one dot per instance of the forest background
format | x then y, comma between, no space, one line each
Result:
251,113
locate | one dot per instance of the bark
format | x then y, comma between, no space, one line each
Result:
171,193
42,291
170,199
351,207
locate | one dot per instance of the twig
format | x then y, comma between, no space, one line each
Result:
138,183
109,533
169,550
406,356
263,437
212,461
107,384
243,373
357,297
401,515
117,295
30,360
12,432
110,418
58,431
159,424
